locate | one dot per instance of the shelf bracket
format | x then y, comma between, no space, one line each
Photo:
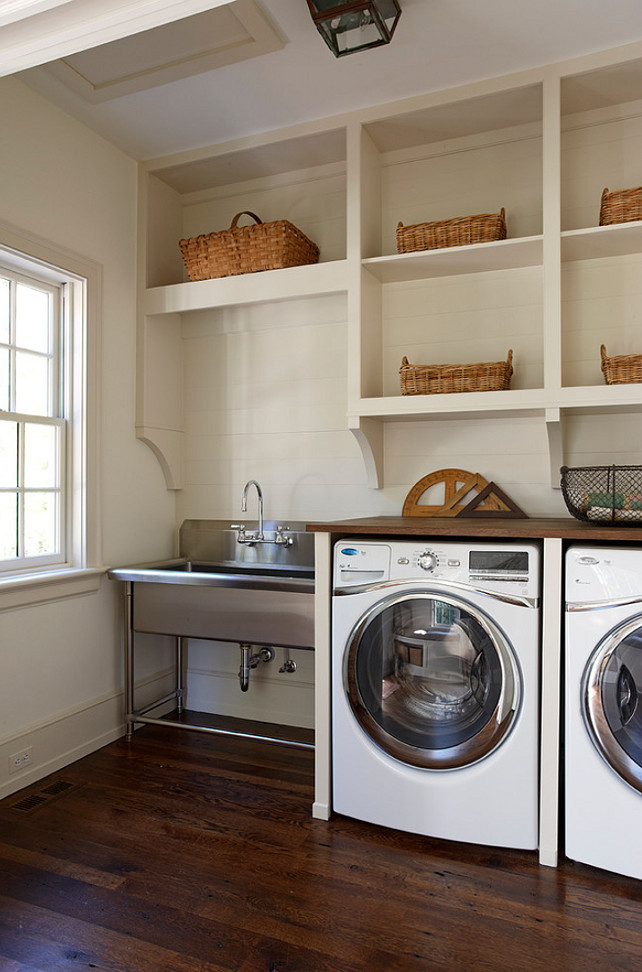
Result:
555,434
369,434
167,446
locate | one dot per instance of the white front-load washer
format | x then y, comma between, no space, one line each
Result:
435,686
603,711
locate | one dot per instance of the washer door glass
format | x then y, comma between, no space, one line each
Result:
612,693
432,680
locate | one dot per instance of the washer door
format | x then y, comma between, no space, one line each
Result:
612,694
431,680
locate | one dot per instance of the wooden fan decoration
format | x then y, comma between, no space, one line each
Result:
488,499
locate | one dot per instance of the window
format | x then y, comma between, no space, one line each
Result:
32,426
48,309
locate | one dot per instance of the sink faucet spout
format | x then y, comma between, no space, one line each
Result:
258,536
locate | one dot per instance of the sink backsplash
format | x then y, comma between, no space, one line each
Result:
214,542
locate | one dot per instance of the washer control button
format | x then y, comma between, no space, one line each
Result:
428,560
454,563
403,561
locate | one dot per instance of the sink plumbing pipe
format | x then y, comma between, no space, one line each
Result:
289,664
251,661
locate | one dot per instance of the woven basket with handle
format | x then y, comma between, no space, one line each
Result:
247,249
621,368
441,379
621,206
462,231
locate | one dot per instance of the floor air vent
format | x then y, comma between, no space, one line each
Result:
35,800
30,803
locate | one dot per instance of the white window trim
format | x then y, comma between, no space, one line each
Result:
83,573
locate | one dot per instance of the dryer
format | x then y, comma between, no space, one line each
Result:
603,710
435,686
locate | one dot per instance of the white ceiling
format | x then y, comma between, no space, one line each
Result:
438,44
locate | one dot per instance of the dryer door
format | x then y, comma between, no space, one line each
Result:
432,680
612,695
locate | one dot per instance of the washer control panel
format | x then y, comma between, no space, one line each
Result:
498,567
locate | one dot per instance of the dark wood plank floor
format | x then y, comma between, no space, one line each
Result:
184,852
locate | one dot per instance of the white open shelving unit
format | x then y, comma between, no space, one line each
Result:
542,144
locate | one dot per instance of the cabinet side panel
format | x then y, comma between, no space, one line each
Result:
164,230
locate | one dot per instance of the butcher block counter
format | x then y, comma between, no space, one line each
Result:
491,528
555,534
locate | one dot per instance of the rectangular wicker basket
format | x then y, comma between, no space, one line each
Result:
247,249
621,206
461,231
441,379
621,369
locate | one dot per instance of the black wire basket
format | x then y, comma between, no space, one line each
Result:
604,494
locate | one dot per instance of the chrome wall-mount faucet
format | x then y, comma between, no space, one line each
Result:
258,536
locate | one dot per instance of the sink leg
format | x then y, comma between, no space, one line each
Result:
244,670
129,662
180,691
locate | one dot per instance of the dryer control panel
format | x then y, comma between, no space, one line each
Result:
508,567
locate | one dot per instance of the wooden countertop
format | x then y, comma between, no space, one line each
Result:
566,528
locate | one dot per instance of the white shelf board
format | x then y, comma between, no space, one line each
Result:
601,397
453,260
399,407
249,288
597,242
513,401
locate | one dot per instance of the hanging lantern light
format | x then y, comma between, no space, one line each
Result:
356,25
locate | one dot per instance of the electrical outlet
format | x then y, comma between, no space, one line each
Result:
21,760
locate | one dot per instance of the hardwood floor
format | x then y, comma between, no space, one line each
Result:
184,852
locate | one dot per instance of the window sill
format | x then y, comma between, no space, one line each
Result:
50,585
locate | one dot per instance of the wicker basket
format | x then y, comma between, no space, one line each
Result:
441,379
621,369
461,231
621,206
247,249
604,494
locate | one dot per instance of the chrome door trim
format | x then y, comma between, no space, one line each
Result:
611,602
439,587
492,734
593,707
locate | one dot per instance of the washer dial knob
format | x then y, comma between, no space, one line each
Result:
428,560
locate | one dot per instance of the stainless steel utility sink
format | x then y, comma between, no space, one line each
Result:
220,589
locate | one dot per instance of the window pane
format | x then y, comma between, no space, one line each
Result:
5,362
32,384
32,319
41,444
8,454
8,525
4,310
40,524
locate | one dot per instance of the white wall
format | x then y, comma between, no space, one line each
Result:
60,662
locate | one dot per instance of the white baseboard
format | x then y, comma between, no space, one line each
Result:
69,735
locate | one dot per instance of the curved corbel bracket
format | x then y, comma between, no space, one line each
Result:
167,446
369,434
555,433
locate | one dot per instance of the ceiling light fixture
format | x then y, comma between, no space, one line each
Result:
356,25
